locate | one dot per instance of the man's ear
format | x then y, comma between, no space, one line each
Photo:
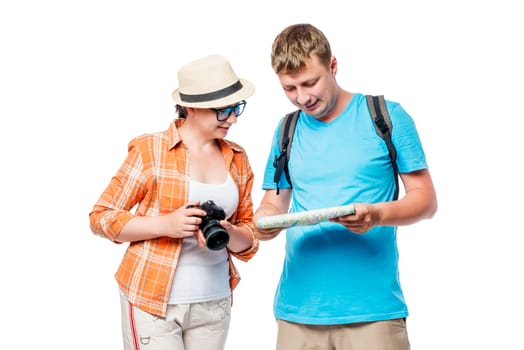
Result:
333,65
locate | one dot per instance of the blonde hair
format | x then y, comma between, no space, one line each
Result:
297,43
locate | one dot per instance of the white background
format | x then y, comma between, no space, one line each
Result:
79,79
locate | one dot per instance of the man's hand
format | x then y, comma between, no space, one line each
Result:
363,220
272,204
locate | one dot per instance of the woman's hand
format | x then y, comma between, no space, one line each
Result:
184,222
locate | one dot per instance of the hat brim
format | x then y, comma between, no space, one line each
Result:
246,91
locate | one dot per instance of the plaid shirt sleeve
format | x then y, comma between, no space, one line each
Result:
244,215
126,189
241,170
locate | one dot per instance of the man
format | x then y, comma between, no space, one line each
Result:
339,287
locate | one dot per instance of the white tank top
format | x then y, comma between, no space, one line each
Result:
203,274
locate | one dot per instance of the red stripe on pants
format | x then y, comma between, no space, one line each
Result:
133,327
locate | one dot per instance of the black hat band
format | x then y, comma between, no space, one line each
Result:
215,95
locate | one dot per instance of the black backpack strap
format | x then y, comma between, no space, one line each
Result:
286,136
380,116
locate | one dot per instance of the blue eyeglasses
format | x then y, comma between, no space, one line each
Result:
224,113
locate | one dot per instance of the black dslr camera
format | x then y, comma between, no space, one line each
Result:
216,236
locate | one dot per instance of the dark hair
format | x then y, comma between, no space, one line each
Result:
181,111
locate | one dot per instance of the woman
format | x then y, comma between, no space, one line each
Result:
176,287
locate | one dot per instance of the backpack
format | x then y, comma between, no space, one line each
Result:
379,115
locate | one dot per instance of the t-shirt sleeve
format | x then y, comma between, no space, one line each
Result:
405,137
269,172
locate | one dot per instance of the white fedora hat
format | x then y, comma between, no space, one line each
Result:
210,82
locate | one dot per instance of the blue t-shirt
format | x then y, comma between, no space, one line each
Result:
331,275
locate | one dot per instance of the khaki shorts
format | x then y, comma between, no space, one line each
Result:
380,335
195,326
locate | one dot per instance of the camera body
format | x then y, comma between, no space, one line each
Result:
216,236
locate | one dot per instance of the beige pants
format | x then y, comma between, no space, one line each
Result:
199,326
381,335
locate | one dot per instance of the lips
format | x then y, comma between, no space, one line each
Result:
311,106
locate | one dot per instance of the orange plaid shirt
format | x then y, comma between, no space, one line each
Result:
154,177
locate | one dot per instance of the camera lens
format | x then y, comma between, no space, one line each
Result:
216,236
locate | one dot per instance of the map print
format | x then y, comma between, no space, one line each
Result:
308,217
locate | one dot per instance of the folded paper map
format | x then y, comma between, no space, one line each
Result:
308,217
